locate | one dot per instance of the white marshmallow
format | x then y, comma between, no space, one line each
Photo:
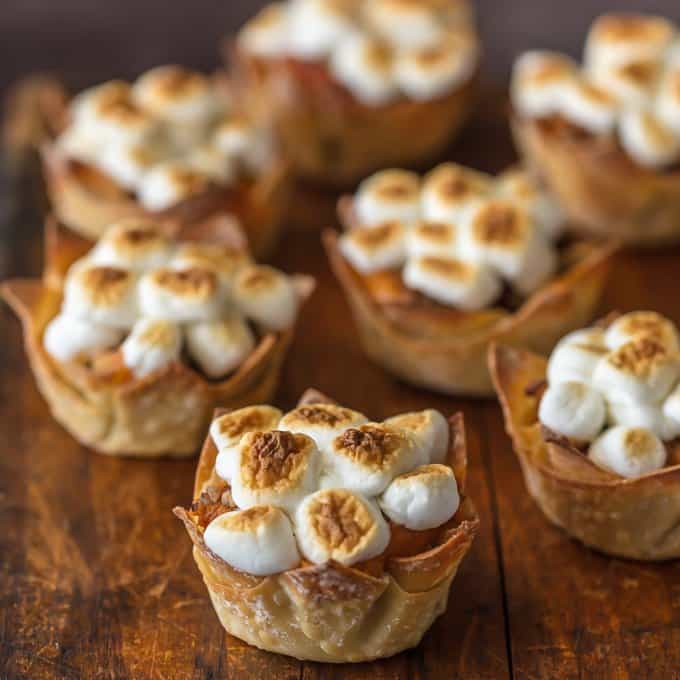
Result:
80,144
432,239
126,165
267,296
151,346
667,104
375,249
631,83
647,140
430,430
387,196
589,107
573,409
336,524
257,541
213,163
170,183
648,416
225,261
627,451
642,324
67,337
366,68
274,468
453,282
219,347
574,360
266,34
406,24
593,336
89,104
671,407
242,142
315,27
423,499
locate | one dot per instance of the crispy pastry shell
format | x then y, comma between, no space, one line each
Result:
634,518
330,612
163,414
601,189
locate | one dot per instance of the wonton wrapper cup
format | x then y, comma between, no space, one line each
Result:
164,413
634,518
444,349
329,136
330,612
603,191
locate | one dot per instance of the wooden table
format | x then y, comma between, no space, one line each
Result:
97,578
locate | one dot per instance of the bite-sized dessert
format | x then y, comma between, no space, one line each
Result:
325,536
135,341
173,146
596,428
605,134
437,268
352,86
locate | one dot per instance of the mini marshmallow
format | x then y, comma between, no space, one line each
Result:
648,416
431,72
67,338
667,105
315,27
379,248
638,324
170,183
406,24
126,165
212,163
151,346
245,144
541,81
593,336
322,422
449,190
266,34
101,294
423,499
387,196
366,458
219,347
256,541
435,239
453,282
589,107
430,430
573,409
225,261
336,524
274,468
88,104
133,243
575,360
181,295
80,144
266,296
640,370
647,140
628,451
365,67
631,83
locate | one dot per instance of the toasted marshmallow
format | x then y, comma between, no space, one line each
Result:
274,468
575,360
322,422
573,409
406,24
336,524
80,144
431,72
371,250
151,346
648,416
213,163
67,337
245,144
500,234
133,244
449,190
366,68
589,107
225,261
88,104
257,541
541,82
422,499
671,407
520,187
647,140
435,239
266,34
126,165
386,196
366,458
453,282
181,295
631,83
101,294
593,336
638,324
620,38
266,295
430,430
219,347
170,183
628,451
667,105
315,27
641,370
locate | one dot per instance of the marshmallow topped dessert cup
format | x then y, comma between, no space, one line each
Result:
605,136
327,537
135,341
171,146
596,429
353,86
436,269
